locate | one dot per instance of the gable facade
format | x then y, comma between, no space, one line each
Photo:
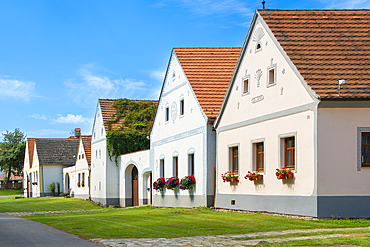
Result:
182,140
287,88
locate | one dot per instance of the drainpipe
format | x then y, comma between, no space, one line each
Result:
89,183
42,177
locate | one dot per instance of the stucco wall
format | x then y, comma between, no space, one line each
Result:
127,162
337,152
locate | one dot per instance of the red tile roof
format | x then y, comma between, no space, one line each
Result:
86,142
209,71
4,177
108,111
31,145
326,46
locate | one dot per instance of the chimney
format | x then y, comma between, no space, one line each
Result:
263,4
77,132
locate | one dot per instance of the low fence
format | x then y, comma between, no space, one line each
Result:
11,185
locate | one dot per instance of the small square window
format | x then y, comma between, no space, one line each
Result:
167,117
181,107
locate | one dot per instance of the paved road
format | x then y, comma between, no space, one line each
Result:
16,231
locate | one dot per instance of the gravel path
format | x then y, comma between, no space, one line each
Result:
222,240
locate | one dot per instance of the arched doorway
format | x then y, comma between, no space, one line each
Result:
67,185
135,187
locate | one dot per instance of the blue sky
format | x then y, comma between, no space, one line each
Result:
57,58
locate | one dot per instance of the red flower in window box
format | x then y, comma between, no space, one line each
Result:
230,177
254,176
284,173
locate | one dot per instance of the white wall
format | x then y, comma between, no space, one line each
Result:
126,163
337,152
265,113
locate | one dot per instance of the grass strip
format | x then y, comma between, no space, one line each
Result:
9,204
8,192
148,222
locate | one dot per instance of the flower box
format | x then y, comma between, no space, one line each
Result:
230,177
254,176
159,184
78,184
187,183
172,183
284,173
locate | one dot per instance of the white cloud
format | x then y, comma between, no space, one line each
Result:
70,118
93,87
16,89
39,116
157,74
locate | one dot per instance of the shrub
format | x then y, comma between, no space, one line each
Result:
51,187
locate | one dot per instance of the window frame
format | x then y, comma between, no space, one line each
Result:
286,149
161,167
283,151
182,107
191,164
246,77
364,133
232,156
167,114
269,68
175,166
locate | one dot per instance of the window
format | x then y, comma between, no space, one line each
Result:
182,107
99,153
161,168
191,164
271,75
246,86
260,159
79,177
234,159
83,178
102,131
289,152
82,156
79,156
94,135
258,47
365,149
99,185
96,154
167,117
176,166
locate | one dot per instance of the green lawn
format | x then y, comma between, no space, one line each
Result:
4,192
9,204
148,222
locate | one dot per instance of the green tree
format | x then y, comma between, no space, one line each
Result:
12,151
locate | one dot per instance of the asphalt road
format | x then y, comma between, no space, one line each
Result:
16,231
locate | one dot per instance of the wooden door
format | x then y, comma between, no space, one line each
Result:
135,187
28,188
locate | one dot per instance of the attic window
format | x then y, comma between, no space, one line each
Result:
182,107
271,75
82,156
173,75
101,130
245,84
167,117
258,47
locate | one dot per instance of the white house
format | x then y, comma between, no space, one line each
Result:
299,98
44,161
182,141
76,179
124,183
